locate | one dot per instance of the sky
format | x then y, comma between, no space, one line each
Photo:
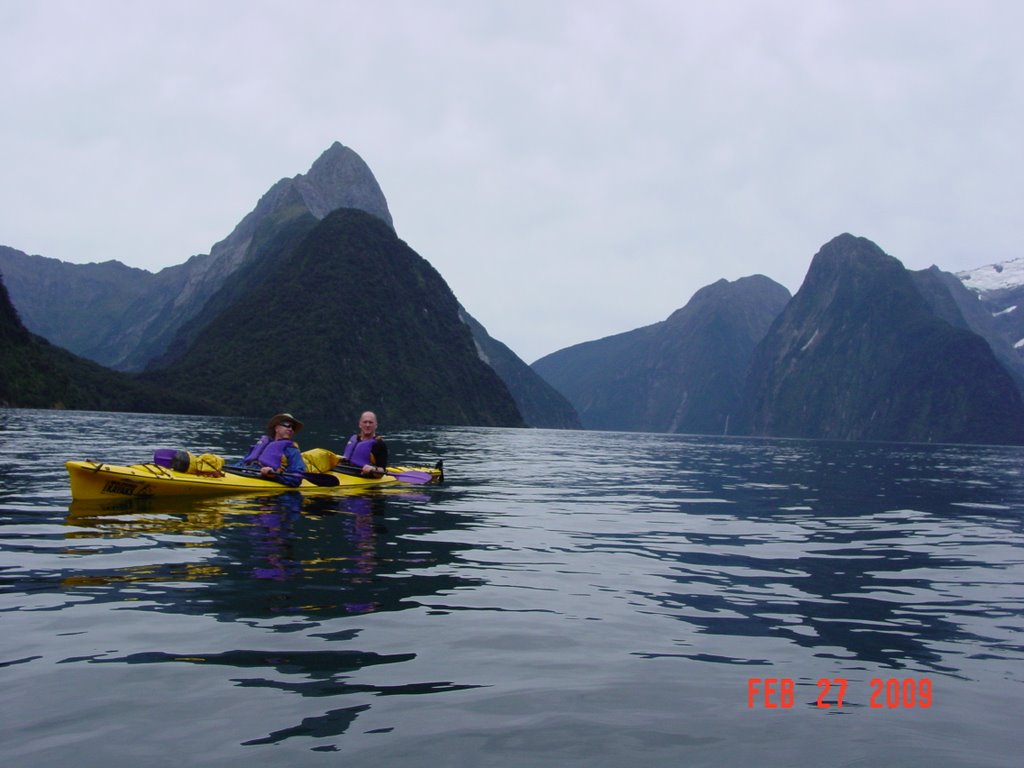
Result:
574,169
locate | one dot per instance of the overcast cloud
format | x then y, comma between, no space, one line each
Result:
573,168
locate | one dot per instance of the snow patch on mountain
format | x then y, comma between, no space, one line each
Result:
994,277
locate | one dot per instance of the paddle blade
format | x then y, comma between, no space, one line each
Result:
413,476
321,479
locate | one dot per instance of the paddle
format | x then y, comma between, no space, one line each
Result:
412,476
316,478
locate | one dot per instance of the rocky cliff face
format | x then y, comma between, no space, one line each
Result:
338,179
858,354
684,374
341,179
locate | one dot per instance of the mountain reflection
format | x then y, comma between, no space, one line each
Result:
848,550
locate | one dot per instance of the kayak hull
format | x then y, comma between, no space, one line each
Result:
97,481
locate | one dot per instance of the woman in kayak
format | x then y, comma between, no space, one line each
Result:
365,449
276,453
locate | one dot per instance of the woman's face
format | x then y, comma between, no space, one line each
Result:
284,431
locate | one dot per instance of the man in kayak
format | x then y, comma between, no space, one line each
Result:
365,449
276,453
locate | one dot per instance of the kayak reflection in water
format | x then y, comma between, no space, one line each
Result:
276,453
281,541
274,537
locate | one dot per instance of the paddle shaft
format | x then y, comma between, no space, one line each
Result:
316,478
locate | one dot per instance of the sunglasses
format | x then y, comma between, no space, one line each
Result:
286,425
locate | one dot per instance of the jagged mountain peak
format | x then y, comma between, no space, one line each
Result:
738,297
340,178
394,343
846,255
845,275
337,179
734,288
859,354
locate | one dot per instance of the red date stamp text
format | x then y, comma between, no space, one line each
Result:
884,693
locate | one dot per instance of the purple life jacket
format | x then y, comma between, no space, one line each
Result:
269,453
359,452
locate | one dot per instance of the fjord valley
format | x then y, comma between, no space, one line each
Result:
285,313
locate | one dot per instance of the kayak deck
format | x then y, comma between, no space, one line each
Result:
95,480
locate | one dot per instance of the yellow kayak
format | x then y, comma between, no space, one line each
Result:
95,480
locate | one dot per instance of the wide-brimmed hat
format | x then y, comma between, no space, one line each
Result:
280,418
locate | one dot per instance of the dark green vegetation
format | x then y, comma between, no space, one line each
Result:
859,354
36,374
328,318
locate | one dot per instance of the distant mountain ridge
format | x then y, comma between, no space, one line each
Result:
684,374
81,307
866,350
36,374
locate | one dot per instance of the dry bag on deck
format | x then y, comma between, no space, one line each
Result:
320,460
183,461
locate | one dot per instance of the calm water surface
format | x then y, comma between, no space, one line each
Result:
567,598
